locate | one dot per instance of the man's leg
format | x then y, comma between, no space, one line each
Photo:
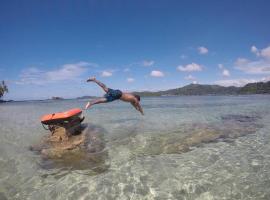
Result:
102,85
95,101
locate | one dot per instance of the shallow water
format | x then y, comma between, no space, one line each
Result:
212,147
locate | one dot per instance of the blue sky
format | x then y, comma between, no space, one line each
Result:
49,48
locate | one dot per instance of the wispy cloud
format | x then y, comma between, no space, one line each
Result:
190,68
126,69
190,77
235,82
66,72
156,73
202,50
264,53
130,80
254,50
148,63
225,72
144,63
265,79
183,56
261,66
220,66
106,73
32,76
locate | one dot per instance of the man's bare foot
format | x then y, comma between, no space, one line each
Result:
88,105
91,79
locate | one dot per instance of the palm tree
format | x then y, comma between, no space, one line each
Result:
3,89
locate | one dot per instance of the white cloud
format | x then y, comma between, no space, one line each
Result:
195,82
156,73
241,61
265,52
261,66
106,73
190,67
202,50
66,72
144,63
32,75
241,82
225,73
254,50
220,66
190,77
265,79
148,63
183,56
130,80
235,82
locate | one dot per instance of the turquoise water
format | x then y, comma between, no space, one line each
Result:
205,147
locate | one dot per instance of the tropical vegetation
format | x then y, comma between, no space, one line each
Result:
3,89
197,89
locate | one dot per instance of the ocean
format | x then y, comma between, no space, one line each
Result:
190,147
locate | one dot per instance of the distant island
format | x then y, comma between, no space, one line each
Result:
57,98
86,97
198,89
4,101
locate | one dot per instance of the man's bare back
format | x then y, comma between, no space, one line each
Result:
112,95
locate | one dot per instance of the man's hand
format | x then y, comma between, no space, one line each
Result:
138,107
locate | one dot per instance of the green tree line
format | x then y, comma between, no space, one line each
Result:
197,89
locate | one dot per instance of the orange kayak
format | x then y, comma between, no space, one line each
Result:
61,116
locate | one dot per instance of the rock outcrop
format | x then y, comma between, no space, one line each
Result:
81,148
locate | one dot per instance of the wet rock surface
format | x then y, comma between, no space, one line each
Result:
84,149
195,135
240,118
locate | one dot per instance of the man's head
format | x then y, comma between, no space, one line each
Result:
137,97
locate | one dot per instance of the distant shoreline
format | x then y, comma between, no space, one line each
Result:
260,88
6,101
164,96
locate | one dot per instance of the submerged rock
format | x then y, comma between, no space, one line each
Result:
84,149
195,135
240,118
